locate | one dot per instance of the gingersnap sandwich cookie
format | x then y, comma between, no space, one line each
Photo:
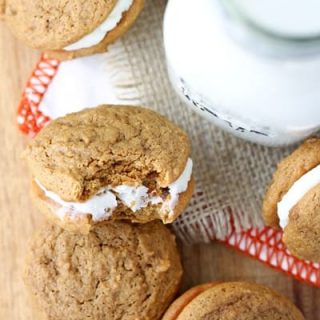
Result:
292,201
69,29
117,271
232,301
110,163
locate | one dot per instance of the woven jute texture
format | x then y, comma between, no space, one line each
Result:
231,174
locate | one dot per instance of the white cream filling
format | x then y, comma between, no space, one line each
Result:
100,32
308,181
179,186
102,204
136,198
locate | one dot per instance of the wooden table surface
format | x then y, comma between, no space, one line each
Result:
18,218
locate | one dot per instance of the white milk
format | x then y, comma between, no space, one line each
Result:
260,89
291,18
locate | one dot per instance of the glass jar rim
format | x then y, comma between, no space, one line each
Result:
270,42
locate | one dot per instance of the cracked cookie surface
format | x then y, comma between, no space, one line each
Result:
49,24
232,301
302,224
110,163
117,271
75,156
289,170
302,234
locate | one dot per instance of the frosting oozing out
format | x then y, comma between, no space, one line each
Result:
308,181
102,204
179,186
136,198
100,32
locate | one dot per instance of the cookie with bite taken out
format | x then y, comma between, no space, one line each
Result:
110,163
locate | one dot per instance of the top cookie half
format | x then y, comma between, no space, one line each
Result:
289,171
134,153
232,301
69,28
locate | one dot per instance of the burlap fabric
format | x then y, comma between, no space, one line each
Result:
231,174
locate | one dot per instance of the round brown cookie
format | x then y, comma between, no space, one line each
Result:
117,271
232,301
53,25
289,170
78,155
302,234
128,19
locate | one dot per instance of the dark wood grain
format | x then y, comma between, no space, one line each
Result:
18,219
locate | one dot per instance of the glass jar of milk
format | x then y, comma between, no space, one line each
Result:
250,66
